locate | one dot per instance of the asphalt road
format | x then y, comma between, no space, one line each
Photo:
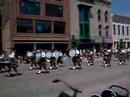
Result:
91,79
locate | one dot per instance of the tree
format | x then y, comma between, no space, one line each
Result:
121,44
74,43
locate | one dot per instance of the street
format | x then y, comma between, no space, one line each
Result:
91,79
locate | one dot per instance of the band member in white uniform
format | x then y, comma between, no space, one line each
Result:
53,61
33,59
107,58
122,57
42,63
90,58
60,59
75,56
13,62
2,58
48,56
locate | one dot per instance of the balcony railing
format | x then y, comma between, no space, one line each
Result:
86,1
103,39
107,2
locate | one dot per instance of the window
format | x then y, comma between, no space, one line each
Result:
84,22
24,26
118,29
43,26
107,30
84,13
29,7
114,29
54,10
122,30
100,30
106,16
99,14
59,27
127,31
81,29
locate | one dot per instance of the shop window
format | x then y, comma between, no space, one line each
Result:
24,26
59,27
43,26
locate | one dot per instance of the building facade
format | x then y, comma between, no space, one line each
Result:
36,24
51,24
121,31
91,23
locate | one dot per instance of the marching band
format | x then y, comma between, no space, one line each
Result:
53,59
8,60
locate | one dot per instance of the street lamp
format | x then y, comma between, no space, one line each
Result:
73,89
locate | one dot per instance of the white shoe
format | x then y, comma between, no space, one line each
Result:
39,71
106,65
57,66
30,68
115,59
88,64
74,68
50,68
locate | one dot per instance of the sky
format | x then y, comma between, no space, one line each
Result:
121,7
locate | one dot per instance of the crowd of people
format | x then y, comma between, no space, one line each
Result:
52,59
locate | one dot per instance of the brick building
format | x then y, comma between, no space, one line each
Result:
49,24
36,24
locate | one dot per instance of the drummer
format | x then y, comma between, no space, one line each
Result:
53,60
122,58
90,57
33,60
107,58
60,59
48,57
2,55
43,63
75,57
13,62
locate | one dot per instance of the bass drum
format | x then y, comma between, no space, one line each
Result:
43,54
49,54
12,55
77,51
72,53
56,54
38,55
29,54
